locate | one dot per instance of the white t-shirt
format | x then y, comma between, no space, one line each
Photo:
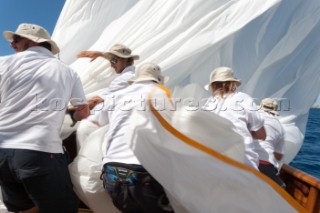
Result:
242,111
117,112
35,88
119,82
274,141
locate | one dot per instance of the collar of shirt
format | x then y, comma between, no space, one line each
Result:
40,49
128,69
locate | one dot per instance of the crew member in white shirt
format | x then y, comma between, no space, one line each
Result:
122,61
237,107
130,186
35,88
271,149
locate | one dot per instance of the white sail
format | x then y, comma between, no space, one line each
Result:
273,47
199,164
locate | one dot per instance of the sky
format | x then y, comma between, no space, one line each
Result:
14,12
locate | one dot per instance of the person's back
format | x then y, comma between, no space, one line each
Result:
35,89
130,186
274,141
237,107
120,108
271,149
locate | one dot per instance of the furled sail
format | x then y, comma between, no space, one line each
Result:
273,47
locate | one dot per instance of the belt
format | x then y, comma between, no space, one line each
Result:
264,162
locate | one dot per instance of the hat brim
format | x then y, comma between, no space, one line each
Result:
163,80
8,35
108,55
207,86
270,110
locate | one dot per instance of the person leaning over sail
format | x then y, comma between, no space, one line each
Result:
130,186
35,88
121,60
238,107
271,149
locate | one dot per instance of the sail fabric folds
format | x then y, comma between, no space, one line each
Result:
198,176
273,46
85,171
199,165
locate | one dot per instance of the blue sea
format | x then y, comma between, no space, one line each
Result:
308,158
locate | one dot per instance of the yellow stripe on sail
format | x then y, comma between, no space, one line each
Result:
215,154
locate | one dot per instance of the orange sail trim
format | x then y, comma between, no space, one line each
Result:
217,155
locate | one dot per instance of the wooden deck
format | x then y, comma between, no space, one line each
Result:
302,187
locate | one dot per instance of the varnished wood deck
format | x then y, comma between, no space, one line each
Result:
302,187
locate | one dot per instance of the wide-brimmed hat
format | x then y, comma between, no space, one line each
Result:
149,72
222,74
269,105
121,51
34,33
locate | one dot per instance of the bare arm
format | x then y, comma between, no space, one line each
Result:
81,112
278,156
90,54
92,102
259,134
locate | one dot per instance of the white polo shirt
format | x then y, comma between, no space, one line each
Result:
117,113
242,111
274,141
35,88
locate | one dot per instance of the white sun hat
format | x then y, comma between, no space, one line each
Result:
222,74
269,105
121,51
149,72
34,33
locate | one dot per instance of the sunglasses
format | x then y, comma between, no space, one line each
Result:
16,39
114,61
